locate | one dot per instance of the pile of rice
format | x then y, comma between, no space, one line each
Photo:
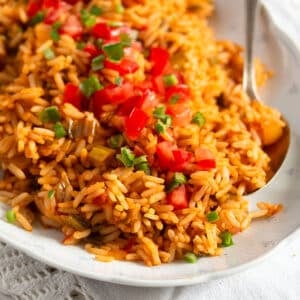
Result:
135,222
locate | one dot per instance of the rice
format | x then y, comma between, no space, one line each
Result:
118,211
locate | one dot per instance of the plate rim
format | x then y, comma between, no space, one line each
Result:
195,279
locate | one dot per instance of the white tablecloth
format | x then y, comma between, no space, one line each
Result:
278,277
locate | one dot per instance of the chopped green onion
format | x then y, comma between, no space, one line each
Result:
88,20
96,10
80,45
10,216
178,179
116,141
125,39
90,85
160,127
141,163
38,18
49,53
54,31
126,157
212,216
97,62
190,258
170,80
174,99
59,130
199,119
115,52
118,81
51,194
159,112
143,167
140,160
49,114
226,238
119,8
99,43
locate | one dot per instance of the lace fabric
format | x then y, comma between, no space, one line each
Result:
24,278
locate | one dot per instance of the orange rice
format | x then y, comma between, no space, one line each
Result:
134,220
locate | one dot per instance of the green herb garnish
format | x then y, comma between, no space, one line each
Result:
38,18
54,33
226,238
51,194
114,52
198,119
212,216
90,85
116,141
11,216
96,10
170,80
59,130
50,114
190,258
97,62
178,179
49,54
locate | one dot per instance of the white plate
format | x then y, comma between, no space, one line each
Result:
252,246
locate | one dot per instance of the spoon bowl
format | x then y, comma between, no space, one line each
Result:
278,150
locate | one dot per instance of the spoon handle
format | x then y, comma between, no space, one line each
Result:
249,81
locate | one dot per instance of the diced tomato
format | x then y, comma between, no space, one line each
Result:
73,95
158,85
178,198
135,123
51,4
126,107
33,7
53,14
181,159
72,27
147,101
126,66
205,159
91,49
159,58
181,114
180,90
116,94
102,31
164,151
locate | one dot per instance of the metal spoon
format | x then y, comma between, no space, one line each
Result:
278,150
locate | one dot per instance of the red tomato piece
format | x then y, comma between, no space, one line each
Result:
158,85
178,198
73,95
54,14
159,58
164,151
181,90
51,3
116,94
205,159
72,1
102,31
181,159
91,49
33,7
135,123
72,27
181,114
147,101
129,245
126,66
